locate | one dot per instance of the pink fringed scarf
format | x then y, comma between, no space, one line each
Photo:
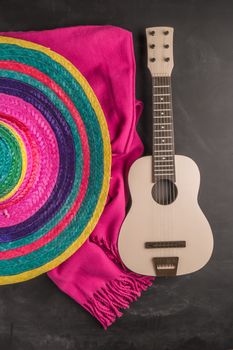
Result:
94,276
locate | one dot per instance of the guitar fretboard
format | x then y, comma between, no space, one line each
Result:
163,164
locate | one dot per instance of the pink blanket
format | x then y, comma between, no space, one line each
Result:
94,276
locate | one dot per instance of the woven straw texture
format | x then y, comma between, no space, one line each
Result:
55,160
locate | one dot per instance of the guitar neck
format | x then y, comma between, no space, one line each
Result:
163,150
160,64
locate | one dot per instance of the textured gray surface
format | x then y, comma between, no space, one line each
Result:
187,313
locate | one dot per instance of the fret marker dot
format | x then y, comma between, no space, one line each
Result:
164,158
161,98
162,113
162,140
162,127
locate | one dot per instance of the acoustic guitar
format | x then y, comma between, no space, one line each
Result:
165,232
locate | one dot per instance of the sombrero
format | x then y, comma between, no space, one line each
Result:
54,160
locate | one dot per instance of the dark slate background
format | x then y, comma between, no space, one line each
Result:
194,312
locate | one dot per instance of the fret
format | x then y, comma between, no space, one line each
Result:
160,124
158,131
163,131
163,139
161,128
164,143
163,157
168,162
163,166
161,103
162,151
161,109
157,156
160,161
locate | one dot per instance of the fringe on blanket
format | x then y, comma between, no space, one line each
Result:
117,294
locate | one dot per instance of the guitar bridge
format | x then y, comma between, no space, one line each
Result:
165,266
165,244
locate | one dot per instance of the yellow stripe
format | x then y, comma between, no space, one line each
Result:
107,161
24,161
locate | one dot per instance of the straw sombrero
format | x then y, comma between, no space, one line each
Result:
54,160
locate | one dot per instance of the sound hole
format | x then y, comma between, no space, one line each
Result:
164,192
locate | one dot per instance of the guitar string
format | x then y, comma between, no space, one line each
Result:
161,172
164,146
168,133
173,156
163,182
157,148
170,126
172,146
164,142
157,108
170,155
166,182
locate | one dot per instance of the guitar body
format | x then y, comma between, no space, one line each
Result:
180,221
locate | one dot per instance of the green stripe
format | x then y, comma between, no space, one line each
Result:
11,161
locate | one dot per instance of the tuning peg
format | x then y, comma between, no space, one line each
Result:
152,32
152,59
166,46
166,32
152,46
167,59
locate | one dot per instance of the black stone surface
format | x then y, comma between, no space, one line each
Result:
194,312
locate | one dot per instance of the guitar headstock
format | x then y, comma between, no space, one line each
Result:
160,50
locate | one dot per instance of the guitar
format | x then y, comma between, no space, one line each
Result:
165,232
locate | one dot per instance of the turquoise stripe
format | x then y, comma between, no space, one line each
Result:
4,166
